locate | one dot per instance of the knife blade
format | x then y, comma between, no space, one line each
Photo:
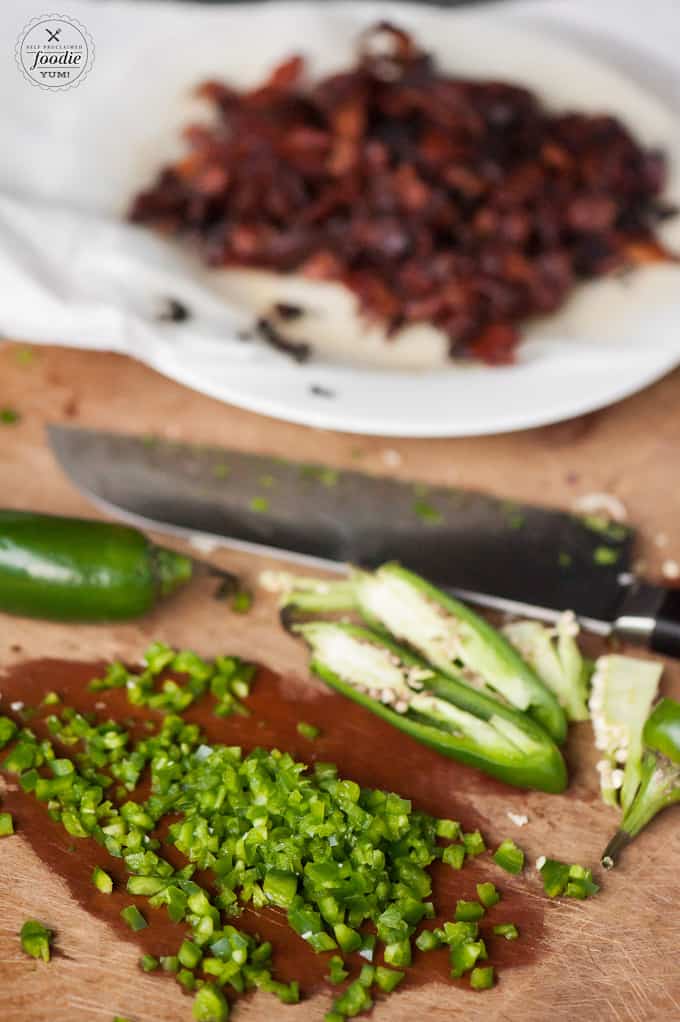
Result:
510,556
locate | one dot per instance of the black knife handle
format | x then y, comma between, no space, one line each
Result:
665,637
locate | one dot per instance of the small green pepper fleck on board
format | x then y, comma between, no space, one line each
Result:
36,939
509,857
6,824
561,878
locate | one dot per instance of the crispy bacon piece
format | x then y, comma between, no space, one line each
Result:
438,199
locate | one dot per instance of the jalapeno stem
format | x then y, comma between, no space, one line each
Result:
614,848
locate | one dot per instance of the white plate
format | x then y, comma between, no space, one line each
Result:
613,338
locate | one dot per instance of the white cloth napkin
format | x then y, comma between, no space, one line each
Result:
71,271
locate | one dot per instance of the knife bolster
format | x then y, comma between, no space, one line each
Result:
639,613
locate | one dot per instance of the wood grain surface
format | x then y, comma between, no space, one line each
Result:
614,958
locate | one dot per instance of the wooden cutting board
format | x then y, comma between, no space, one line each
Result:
613,958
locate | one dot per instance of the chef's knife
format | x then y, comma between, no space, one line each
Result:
513,557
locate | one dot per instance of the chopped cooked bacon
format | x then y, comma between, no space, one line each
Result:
465,204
